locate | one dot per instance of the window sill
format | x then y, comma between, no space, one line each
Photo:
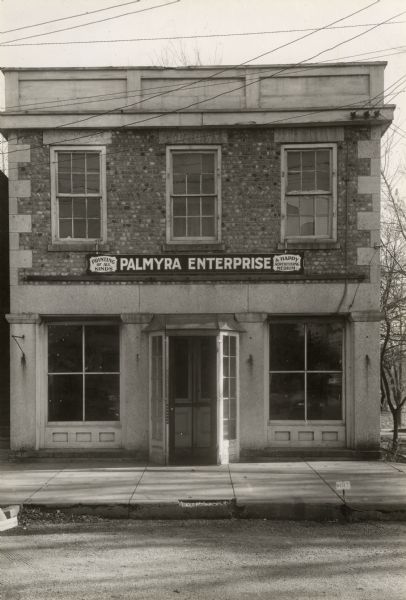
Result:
309,245
64,424
322,423
192,247
78,247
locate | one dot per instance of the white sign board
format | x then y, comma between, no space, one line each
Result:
343,485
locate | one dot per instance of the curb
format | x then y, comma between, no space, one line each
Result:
229,509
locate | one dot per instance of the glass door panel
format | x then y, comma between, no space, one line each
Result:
192,385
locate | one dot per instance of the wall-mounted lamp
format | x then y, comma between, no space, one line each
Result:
16,338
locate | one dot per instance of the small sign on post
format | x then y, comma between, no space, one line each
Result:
343,486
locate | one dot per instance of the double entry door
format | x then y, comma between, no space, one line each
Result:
192,404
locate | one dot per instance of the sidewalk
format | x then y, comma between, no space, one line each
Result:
272,490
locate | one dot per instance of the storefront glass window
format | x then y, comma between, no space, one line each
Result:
306,371
83,373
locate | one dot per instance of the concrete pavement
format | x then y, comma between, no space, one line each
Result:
273,490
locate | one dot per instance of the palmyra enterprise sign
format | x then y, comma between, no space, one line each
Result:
124,264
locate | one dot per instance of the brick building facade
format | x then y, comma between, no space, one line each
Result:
194,259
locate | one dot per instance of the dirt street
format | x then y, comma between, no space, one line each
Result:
203,560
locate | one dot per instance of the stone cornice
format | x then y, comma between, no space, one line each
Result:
212,118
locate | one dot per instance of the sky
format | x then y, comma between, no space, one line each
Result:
177,18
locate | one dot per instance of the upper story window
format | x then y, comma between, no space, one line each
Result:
309,192
78,193
193,194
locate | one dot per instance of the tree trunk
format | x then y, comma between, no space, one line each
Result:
399,417
396,417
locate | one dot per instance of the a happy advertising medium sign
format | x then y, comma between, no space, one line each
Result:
150,264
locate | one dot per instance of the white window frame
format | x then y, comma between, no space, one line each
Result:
333,222
170,150
54,196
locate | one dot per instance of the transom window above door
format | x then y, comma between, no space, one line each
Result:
309,194
193,194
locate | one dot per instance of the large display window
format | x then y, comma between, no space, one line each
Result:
306,370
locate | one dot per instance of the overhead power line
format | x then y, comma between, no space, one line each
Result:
218,95
372,102
192,37
88,12
225,69
238,87
80,100
132,12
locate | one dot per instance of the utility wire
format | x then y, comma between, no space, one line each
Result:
368,104
132,12
191,37
210,77
274,50
223,93
115,152
88,12
245,85
138,91
400,128
22,108
275,121
372,102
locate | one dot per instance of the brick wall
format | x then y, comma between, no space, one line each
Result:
251,190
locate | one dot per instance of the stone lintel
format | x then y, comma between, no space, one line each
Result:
77,137
303,135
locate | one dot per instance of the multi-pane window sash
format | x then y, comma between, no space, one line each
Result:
79,194
229,387
306,372
193,194
309,185
83,373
